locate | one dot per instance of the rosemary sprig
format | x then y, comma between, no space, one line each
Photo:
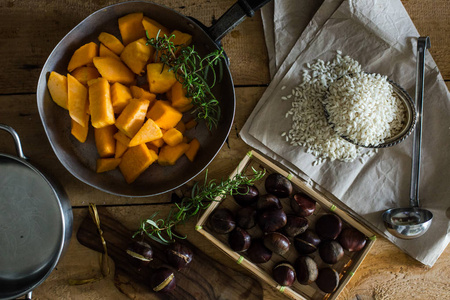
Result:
201,197
197,74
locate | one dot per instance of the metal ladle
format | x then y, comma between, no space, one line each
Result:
412,222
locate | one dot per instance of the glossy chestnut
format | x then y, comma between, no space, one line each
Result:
352,239
246,195
277,242
222,221
306,269
306,242
268,202
239,240
272,220
163,280
327,280
140,253
295,225
328,226
302,204
179,255
284,274
278,185
258,253
330,252
246,217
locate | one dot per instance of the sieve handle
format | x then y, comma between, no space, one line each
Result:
423,43
16,139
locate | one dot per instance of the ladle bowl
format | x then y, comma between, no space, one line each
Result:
407,223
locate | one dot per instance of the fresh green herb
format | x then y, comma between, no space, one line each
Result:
201,197
197,74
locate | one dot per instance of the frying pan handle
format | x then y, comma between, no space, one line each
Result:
233,17
16,141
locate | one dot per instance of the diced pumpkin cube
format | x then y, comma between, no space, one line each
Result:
168,155
104,140
100,105
105,52
120,149
114,70
107,164
185,108
164,115
132,117
152,147
153,28
191,124
172,137
136,55
131,28
111,42
181,38
160,79
57,86
178,95
180,127
83,56
135,161
120,96
85,74
139,93
121,137
192,151
78,131
147,133
157,143
77,100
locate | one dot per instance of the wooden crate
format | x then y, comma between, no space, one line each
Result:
346,267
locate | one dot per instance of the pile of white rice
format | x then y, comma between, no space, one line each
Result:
364,108
310,128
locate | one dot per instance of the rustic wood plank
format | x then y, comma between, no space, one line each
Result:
29,35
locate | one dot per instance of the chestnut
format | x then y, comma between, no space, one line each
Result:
239,240
140,253
246,195
268,202
284,274
327,280
272,220
258,253
163,280
277,242
246,217
222,221
295,225
302,204
179,255
330,252
278,185
328,227
306,242
352,239
306,269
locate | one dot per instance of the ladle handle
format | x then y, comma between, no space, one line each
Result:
423,43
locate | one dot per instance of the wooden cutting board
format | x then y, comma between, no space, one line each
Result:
203,279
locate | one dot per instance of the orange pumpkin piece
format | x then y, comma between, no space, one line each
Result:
135,161
77,100
168,155
121,137
57,86
181,127
157,143
100,105
132,117
78,131
160,79
172,137
83,56
139,93
185,108
164,115
120,96
194,146
147,133
131,28
113,70
120,149
136,55
85,74
105,52
104,140
181,38
153,28
111,42
107,164
191,124
178,95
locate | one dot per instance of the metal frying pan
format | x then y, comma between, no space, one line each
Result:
35,224
80,159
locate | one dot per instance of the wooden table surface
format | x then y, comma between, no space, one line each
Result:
30,29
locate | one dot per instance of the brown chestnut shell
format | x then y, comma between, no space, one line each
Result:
179,255
246,217
278,185
239,240
352,239
302,204
258,253
163,280
330,252
295,225
328,226
306,242
272,220
327,280
284,274
140,253
306,269
222,221
246,195
268,202
277,242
